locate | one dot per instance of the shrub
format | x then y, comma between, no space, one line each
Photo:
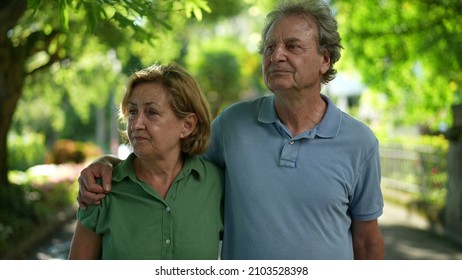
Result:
25,150
18,213
68,151
33,200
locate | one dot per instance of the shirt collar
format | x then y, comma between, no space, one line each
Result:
327,128
330,123
125,168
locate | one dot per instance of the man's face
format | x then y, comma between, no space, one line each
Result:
291,60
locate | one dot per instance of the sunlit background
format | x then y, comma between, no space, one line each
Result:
63,69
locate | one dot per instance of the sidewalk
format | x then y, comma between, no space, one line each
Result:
406,237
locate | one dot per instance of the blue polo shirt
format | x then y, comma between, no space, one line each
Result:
294,197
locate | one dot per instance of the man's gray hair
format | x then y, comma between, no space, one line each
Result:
319,11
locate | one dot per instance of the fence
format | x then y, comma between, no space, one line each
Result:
420,171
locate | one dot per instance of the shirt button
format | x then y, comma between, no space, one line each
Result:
167,241
291,142
167,209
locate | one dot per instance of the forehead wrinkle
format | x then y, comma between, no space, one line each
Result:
285,40
149,103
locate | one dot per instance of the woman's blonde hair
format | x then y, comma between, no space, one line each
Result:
185,96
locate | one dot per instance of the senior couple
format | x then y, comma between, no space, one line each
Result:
285,176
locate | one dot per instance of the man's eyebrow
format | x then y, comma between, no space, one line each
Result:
285,40
292,40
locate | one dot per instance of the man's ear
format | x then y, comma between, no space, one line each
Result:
189,124
325,62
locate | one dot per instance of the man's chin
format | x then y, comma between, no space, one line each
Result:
279,87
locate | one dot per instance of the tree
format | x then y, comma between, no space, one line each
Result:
222,72
33,38
409,50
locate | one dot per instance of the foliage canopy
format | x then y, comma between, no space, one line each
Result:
408,50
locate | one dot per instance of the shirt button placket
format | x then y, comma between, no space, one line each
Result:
167,251
289,154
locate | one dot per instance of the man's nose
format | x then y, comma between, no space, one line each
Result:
279,53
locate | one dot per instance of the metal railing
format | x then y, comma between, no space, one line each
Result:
419,170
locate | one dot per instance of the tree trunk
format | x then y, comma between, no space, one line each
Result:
11,77
453,212
11,84
13,57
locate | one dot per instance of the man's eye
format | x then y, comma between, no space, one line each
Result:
292,46
269,49
152,113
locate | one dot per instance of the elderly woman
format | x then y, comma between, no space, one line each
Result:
166,202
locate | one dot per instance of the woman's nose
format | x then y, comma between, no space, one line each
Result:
138,122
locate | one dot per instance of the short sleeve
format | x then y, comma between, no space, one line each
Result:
89,217
368,200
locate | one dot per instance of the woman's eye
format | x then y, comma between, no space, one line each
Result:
132,111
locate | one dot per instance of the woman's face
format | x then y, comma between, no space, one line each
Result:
153,128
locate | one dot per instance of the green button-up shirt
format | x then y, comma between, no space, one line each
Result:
136,223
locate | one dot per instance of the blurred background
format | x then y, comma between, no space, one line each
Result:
63,65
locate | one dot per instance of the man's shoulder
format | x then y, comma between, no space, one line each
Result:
204,166
245,106
356,125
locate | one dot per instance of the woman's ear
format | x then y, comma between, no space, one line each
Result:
189,124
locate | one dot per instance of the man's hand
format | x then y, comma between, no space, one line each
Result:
91,192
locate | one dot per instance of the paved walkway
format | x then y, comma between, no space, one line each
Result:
406,237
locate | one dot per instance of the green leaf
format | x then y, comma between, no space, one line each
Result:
64,16
33,4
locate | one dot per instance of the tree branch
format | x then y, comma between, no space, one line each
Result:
10,13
